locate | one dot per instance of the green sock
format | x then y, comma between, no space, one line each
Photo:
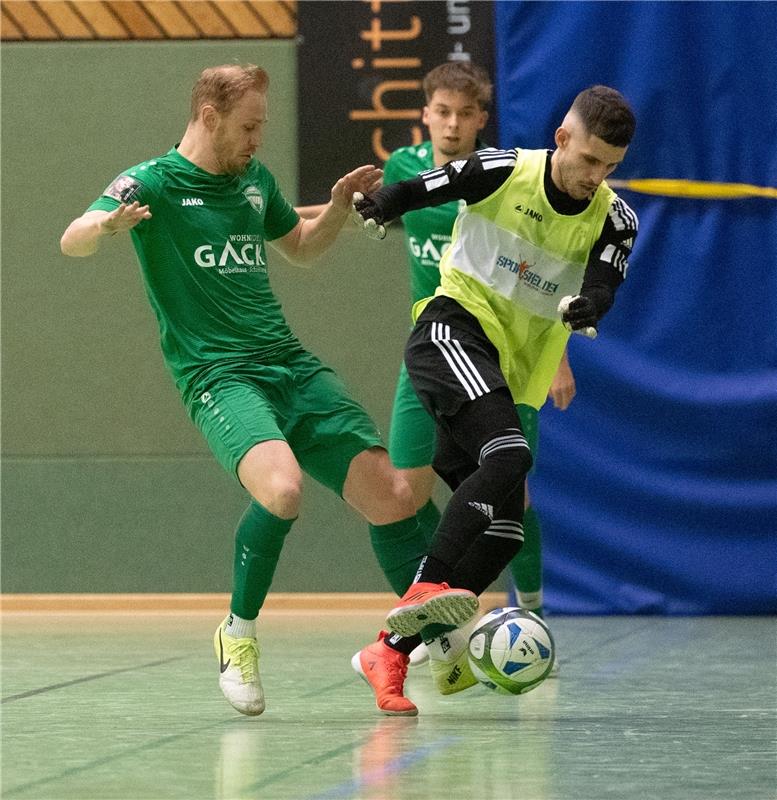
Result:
428,518
526,567
258,543
399,547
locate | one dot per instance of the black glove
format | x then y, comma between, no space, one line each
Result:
366,215
580,313
368,207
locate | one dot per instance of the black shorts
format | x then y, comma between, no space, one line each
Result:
449,358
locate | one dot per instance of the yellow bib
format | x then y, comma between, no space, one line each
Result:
511,260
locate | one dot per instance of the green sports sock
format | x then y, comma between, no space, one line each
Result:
258,543
399,547
428,517
526,567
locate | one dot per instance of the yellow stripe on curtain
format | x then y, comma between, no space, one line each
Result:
677,187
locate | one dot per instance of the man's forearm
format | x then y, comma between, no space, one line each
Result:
82,237
316,235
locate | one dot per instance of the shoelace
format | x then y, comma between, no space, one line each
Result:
245,655
397,671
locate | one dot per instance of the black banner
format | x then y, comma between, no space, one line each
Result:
360,68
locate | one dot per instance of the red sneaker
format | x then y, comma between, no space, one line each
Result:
426,603
385,671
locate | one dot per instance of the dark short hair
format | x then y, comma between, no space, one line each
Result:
224,85
606,114
459,76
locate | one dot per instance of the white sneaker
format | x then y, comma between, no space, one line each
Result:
239,671
419,656
449,661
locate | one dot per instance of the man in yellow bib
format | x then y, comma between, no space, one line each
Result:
538,251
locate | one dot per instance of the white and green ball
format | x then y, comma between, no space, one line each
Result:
511,651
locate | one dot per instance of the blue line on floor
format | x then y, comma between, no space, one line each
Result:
377,776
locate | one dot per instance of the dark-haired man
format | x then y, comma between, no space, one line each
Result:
458,96
538,228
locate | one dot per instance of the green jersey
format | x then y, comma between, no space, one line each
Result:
427,231
204,262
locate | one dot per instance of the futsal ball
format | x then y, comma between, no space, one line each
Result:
511,651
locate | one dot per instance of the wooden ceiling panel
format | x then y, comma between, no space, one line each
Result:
102,21
11,31
243,20
207,20
32,23
174,24
65,19
278,17
51,20
138,21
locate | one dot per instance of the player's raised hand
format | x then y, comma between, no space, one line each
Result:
363,179
125,217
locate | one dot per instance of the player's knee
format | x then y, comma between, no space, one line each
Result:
378,491
281,495
508,457
396,499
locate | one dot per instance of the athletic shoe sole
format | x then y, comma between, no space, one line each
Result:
448,608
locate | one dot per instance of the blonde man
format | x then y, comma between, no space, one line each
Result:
200,217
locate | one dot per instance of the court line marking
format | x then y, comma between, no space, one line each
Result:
309,762
329,687
32,692
97,762
352,787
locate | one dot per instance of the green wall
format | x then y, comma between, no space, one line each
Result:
106,485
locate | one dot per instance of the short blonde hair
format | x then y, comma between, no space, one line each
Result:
222,86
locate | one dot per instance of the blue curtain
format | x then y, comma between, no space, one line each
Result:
658,487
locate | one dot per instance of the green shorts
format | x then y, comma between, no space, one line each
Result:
411,436
412,439
298,400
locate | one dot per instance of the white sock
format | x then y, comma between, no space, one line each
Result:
442,649
449,646
240,628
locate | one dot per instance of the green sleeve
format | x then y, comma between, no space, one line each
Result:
127,188
281,216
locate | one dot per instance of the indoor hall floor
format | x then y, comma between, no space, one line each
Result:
102,707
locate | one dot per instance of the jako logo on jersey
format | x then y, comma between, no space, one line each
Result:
246,258
192,201
254,197
529,212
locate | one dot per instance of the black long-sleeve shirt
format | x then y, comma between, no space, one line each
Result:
482,173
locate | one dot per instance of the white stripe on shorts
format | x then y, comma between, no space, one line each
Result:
460,363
